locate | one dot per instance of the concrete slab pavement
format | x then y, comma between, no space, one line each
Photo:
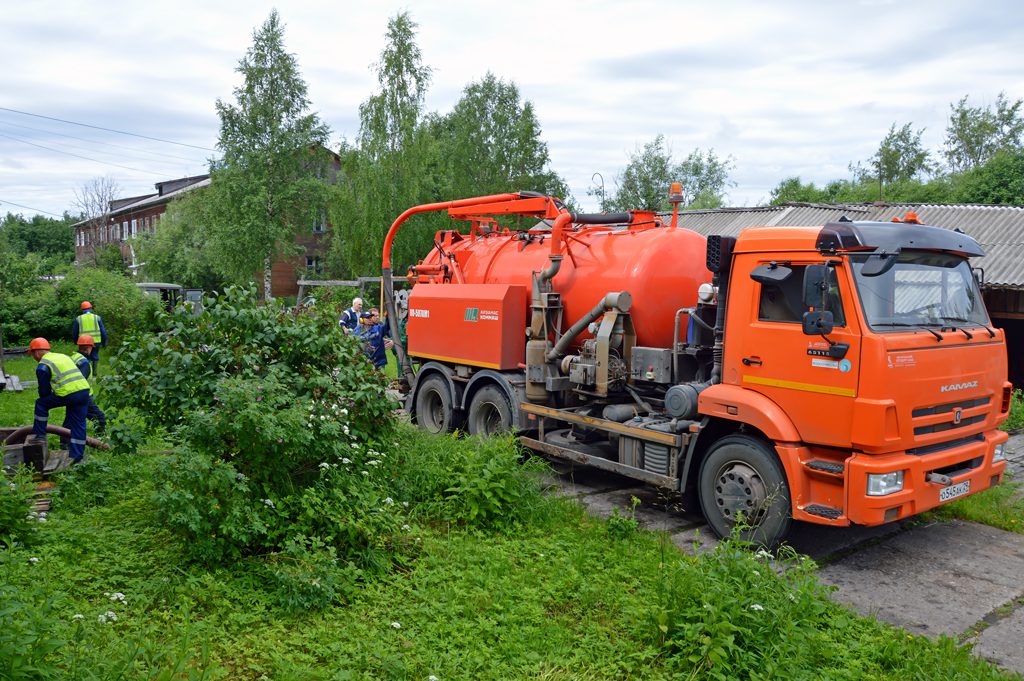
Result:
937,579
1003,641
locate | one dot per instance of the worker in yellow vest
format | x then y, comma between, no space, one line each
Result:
61,384
81,360
90,324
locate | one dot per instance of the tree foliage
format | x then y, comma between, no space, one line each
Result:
392,164
271,183
1001,180
490,143
50,241
975,135
901,157
177,251
645,181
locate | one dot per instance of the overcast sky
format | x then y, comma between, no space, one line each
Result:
786,88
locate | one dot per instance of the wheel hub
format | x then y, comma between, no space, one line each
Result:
739,490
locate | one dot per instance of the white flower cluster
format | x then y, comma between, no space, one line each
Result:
755,606
36,516
240,477
269,503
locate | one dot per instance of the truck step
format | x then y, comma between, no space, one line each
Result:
833,467
824,511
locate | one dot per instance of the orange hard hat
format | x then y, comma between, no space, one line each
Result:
86,339
86,305
39,344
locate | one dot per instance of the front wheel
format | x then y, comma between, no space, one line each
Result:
742,483
489,412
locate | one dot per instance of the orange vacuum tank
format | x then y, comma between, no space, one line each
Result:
660,266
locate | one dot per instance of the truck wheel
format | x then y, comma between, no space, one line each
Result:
489,412
434,411
741,478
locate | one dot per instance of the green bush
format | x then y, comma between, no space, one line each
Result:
307,575
33,313
1016,418
211,503
17,521
28,624
492,486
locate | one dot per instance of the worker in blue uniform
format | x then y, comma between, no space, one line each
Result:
375,334
61,384
89,323
81,360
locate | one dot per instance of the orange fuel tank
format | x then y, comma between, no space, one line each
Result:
661,267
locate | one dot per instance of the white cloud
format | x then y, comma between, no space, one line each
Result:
787,88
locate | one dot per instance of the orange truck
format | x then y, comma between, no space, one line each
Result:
839,375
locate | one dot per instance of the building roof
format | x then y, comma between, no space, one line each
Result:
998,229
165,192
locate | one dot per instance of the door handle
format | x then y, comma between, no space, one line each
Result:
748,361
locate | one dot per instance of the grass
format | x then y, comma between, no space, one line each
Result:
560,597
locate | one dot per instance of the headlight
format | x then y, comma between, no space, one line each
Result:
999,455
885,483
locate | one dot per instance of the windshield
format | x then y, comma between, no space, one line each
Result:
922,289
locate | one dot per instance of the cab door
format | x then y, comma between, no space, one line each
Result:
791,368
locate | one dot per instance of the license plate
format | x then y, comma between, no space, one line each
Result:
954,491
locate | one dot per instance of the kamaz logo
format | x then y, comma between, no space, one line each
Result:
958,386
472,313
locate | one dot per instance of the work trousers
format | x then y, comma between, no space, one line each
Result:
76,406
95,414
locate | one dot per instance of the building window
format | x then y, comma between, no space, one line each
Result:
124,230
313,263
320,225
135,227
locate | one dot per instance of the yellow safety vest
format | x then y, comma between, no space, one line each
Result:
78,358
65,378
89,325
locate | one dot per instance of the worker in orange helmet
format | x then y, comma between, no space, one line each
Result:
89,323
81,360
61,384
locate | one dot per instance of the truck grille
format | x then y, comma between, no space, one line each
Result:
950,408
943,446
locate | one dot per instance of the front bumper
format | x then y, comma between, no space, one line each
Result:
918,495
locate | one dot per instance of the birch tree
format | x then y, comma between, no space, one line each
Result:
270,185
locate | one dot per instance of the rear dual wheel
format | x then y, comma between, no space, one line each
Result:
743,491
435,411
490,412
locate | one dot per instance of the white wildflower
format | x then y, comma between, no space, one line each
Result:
366,472
373,463
240,477
117,596
396,625
111,615
165,579
345,429
756,573
344,411
42,520
325,465
405,527
102,619
405,503
761,553
755,606
431,678
346,461
106,593
311,407
792,597
33,559
355,446
389,501
269,503
78,617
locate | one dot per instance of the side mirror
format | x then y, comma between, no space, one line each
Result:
814,285
880,261
817,323
771,273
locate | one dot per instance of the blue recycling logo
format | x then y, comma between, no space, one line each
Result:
845,365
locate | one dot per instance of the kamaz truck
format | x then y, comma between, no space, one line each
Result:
845,374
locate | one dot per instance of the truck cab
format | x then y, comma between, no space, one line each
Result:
863,354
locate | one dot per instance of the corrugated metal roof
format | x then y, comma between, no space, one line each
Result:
999,229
